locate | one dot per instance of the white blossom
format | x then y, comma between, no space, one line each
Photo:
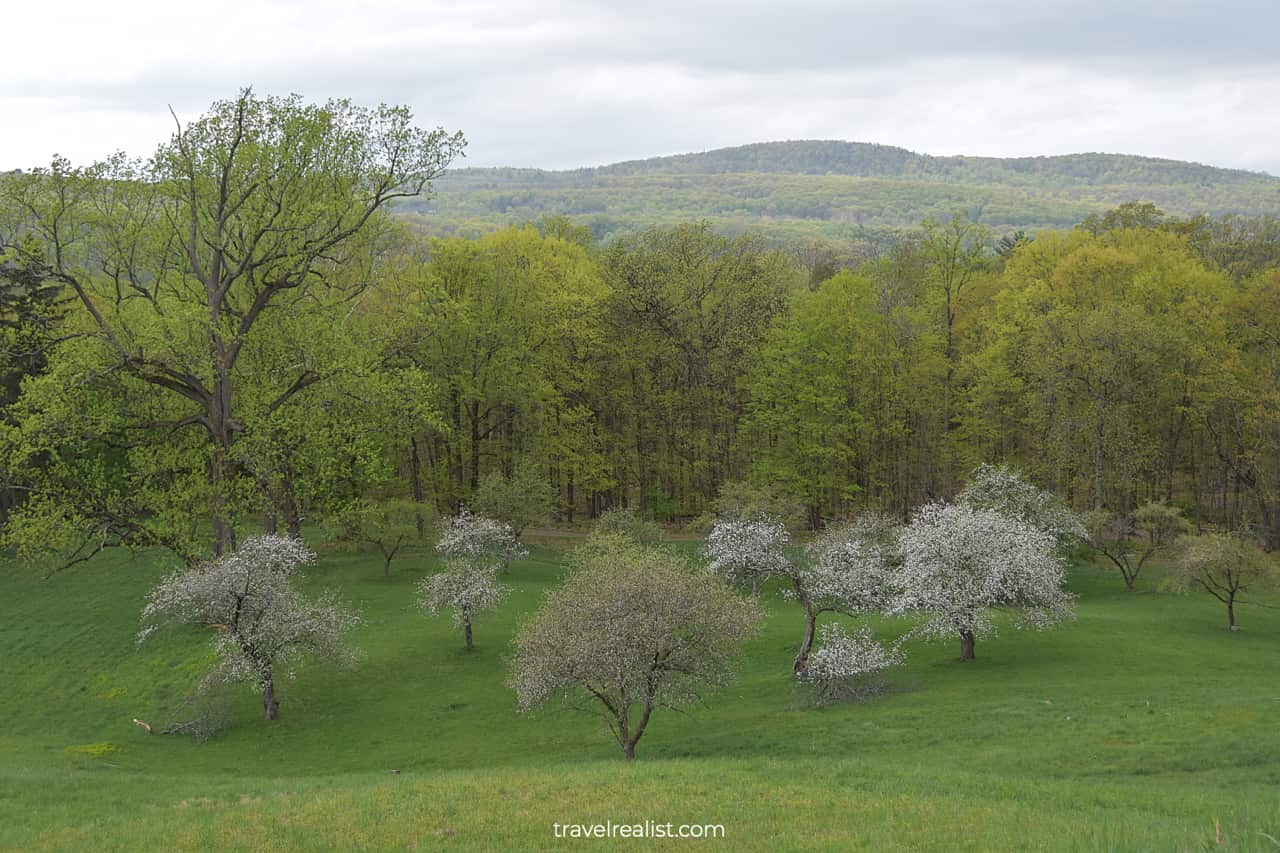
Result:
463,587
1002,489
479,538
850,568
265,625
475,549
842,663
957,562
631,630
748,552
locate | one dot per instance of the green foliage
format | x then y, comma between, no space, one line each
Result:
210,293
744,500
387,524
627,524
1223,565
807,190
525,499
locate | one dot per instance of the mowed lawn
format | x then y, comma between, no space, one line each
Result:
1143,725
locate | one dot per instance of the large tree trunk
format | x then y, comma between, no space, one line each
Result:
466,629
630,738
966,645
801,663
270,707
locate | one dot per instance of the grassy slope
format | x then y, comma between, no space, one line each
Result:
1133,728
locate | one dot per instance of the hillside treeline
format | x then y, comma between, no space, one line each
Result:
235,334
1127,360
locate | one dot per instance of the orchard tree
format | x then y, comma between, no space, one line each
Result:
388,525
264,623
848,570
1223,565
742,500
958,563
1128,541
629,524
746,552
464,587
474,549
262,209
479,539
631,630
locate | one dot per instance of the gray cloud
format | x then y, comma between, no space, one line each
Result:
575,83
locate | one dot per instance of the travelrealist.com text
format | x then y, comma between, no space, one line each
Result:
647,829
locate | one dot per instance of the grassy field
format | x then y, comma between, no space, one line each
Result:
1143,725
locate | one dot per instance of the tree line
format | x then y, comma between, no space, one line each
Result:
234,335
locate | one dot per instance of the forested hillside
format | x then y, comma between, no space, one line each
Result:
834,190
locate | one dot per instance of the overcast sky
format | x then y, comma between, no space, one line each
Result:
557,85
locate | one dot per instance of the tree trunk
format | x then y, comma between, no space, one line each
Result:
966,645
270,707
271,524
386,564
415,484
1231,612
473,415
629,749
1098,460
801,661
466,630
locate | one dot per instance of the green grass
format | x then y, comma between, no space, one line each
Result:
1136,727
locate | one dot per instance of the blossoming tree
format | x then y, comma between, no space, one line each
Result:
842,663
633,629
846,571
956,563
263,622
475,549
1224,565
849,570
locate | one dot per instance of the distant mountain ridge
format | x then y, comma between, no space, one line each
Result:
872,160
825,187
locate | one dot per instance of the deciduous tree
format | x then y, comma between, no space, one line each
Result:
632,630
958,563
263,622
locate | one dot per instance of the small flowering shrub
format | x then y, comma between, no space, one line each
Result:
626,522
844,666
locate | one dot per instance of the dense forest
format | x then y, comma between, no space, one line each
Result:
834,191
235,339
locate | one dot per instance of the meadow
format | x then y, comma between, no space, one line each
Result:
1142,725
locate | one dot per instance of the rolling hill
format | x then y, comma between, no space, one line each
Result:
832,190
